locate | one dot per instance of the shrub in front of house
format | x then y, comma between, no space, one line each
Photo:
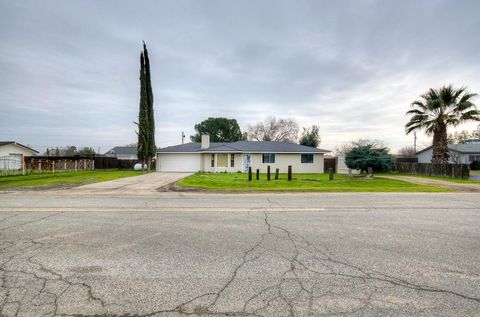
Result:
363,157
475,166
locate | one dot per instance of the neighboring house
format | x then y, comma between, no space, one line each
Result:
12,148
238,156
123,152
12,153
472,141
459,153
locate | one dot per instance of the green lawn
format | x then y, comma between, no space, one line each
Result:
301,182
62,179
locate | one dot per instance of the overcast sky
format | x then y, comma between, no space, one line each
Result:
69,69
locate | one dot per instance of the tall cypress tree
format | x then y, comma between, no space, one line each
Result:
150,114
142,144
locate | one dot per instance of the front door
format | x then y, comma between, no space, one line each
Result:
245,162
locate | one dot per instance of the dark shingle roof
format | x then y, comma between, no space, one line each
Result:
13,142
243,146
123,150
461,148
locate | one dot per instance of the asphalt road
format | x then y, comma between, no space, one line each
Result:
178,254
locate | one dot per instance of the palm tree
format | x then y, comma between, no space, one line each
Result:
436,111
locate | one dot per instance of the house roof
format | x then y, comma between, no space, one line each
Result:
460,148
242,147
123,150
21,145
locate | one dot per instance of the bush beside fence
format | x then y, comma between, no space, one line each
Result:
441,170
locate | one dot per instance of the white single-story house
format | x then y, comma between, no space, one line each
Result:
238,156
123,152
12,153
459,153
12,148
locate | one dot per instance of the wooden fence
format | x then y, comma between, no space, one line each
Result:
446,170
330,162
98,162
406,160
13,165
44,165
104,162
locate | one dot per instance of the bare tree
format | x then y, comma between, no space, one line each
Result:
273,129
463,137
407,151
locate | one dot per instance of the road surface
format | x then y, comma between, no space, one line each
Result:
191,254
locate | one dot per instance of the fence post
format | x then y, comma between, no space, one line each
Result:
370,172
268,172
277,171
289,172
76,163
53,166
258,174
249,173
23,165
330,173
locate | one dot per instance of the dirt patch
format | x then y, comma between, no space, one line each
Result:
459,187
174,187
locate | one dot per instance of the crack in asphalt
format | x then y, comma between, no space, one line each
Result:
309,279
30,222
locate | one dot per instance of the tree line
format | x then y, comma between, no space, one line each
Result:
271,129
69,150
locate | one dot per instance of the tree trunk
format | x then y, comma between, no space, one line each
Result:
440,153
143,166
149,164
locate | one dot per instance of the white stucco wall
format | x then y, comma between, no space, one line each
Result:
192,162
283,160
207,165
342,168
455,157
6,150
425,156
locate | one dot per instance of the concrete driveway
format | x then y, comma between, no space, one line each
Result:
142,184
461,187
179,254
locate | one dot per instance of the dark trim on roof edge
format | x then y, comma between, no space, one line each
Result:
21,145
453,150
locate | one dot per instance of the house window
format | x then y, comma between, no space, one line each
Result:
212,160
222,160
232,160
268,158
306,158
473,158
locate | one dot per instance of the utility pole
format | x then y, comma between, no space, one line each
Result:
183,136
415,142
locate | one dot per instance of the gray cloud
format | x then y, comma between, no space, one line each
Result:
70,69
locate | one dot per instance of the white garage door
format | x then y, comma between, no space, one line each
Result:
179,162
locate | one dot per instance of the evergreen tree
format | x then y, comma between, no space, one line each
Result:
219,130
311,137
142,133
151,148
365,156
